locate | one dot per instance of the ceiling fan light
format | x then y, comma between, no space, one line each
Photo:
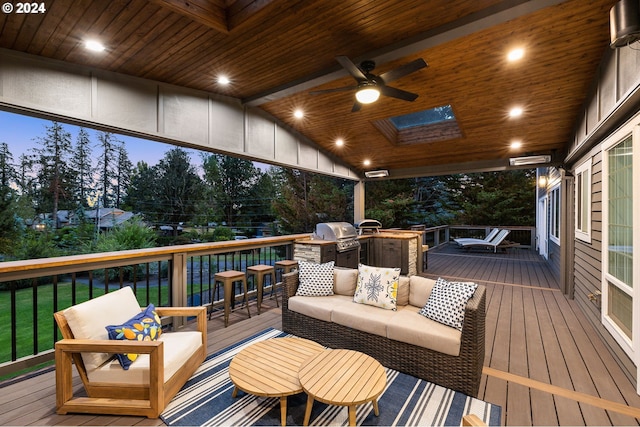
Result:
367,95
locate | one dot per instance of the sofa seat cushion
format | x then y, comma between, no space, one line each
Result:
178,348
318,308
365,318
88,320
410,327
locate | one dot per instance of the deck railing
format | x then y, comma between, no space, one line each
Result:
32,290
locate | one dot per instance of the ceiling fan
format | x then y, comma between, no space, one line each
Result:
371,86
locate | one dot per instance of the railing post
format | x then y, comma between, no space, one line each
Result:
178,285
447,234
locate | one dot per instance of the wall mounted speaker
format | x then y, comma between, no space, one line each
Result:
624,22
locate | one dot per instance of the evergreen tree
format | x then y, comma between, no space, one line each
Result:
498,198
305,199
107,167
123,174
178,188
140,197
230,181
8,224
54,174
82,168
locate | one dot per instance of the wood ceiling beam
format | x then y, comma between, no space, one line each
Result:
241,10
486,18
212,14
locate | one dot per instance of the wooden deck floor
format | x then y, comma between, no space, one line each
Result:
544,364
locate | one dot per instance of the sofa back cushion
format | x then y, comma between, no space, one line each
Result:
403,290
88,320
345,281
419,290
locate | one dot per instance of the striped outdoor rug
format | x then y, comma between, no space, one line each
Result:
407,401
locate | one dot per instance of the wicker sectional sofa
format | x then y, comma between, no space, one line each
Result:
336,322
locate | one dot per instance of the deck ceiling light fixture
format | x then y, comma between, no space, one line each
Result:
367,93
377,174
529,160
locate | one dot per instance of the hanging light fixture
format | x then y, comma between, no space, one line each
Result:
367,93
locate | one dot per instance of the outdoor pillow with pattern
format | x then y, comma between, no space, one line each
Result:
145,326
377,286
447,302
316,280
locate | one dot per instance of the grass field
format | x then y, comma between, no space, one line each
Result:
27,325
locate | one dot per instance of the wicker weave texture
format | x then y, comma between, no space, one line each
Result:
461,373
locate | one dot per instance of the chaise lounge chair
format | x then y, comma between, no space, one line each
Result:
494,243
490,236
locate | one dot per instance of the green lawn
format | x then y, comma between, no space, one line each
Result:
45,323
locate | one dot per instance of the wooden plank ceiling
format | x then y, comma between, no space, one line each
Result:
276,51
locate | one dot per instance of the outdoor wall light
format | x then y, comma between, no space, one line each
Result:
542,181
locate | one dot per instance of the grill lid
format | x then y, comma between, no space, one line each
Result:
335,231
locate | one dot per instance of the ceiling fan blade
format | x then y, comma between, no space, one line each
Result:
403,70
351,68
398,93
356,107
337,89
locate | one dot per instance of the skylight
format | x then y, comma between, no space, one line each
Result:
423,118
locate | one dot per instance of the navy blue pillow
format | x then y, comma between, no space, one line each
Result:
145,326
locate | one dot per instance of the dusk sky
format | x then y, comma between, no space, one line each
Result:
22,132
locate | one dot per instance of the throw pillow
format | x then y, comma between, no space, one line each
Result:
316,280
447,302
145,326
377,286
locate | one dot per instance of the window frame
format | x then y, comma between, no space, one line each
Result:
583,201
630,345
554,213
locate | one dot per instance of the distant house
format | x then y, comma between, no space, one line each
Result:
107,218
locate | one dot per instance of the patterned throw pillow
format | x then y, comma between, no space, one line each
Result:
316,280
145,326
377,286
447,302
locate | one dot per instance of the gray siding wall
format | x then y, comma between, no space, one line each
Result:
614,98
156,111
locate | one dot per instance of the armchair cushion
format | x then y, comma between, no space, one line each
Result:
178,347
87,320
144,326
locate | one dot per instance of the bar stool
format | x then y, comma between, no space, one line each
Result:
287,266
259,272
228,278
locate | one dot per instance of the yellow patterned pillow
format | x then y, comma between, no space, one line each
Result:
377,286
145,326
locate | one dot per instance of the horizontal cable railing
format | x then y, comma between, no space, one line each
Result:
32,290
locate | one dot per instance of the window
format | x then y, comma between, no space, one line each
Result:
554,214
620,233
583,201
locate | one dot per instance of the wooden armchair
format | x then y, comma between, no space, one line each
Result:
142,391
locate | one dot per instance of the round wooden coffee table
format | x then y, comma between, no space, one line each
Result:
342,377
270,368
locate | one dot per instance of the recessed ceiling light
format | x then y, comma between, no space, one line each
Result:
223,80
298,114
94,45
339,142
515,112
367,162
516,144
515,54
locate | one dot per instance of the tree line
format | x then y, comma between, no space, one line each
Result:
228,192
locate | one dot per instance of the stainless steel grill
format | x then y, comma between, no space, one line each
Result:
343,233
